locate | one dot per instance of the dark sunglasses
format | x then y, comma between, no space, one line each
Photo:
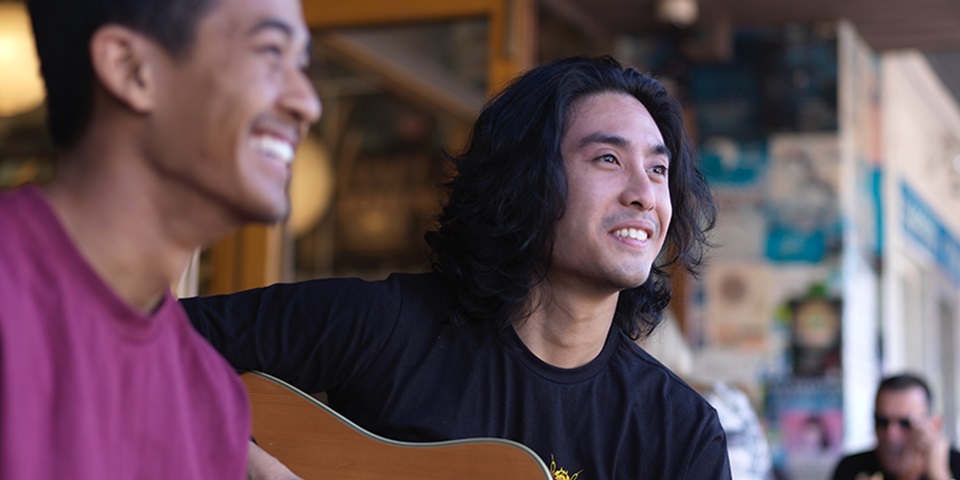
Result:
884,422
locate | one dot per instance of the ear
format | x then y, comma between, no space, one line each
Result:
121,62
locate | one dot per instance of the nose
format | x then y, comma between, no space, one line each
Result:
639,191
300,99
892,432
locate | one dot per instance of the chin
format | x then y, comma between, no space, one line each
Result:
269,214
891,463
637,277
631,282
276,217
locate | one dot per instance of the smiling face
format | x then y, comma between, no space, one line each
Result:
231,113
618,202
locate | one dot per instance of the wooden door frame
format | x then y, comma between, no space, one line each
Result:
251,257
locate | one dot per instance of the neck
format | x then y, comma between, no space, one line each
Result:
566,329
129,224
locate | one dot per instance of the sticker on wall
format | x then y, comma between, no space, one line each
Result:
803,208
738,305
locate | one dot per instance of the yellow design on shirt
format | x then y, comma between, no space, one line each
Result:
561,473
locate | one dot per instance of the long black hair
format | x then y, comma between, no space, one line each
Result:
495,233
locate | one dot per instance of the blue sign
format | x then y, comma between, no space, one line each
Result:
923,225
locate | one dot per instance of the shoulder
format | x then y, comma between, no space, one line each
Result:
856,463
655,372
397,291
29,223
415,282
399,284
19,210
859,457
33,243
955,462
418,288
654,387
338,292
676,394
17,196
378,301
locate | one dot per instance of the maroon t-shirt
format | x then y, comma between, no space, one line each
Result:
91,388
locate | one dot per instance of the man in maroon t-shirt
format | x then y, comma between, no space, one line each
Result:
176,123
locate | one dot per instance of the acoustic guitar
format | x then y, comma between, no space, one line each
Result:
315,442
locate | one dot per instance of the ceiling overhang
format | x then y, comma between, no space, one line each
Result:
925,25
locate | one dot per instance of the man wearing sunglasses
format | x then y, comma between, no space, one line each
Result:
910,443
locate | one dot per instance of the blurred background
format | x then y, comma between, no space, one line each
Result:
829,130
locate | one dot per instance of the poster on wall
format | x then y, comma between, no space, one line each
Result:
807,417
733,164
815,337
802,203
739,309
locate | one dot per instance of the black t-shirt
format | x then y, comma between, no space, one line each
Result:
390,360
866,463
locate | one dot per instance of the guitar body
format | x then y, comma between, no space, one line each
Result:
315,442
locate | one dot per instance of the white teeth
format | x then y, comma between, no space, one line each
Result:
273,147
633,233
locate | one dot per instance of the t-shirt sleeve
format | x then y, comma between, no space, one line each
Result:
840,471
710,459
954,462
313,334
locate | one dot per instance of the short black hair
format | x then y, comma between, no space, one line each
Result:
906,381
63,29
495,234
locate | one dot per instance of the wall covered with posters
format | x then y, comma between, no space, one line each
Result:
793,159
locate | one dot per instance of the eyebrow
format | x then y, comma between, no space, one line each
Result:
286,28
620,142
271,24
